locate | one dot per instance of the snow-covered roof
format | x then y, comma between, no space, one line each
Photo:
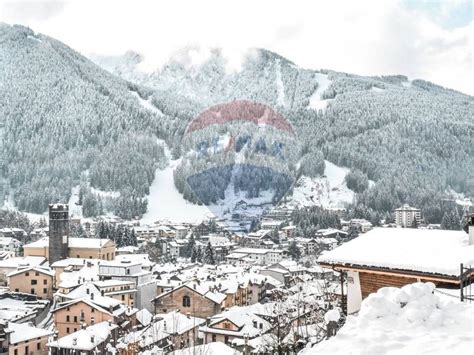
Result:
423,250
256,251
88,243
144,317
8,241
69,262
143,259
167,324
85,339
39,269
216,348
13,263
410,320
24,332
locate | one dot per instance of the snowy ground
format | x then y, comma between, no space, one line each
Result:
329,191
316,102
75,210
166,203
410,320
147,104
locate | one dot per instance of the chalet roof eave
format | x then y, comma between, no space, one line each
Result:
386,270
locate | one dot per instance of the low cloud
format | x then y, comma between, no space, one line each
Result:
365,37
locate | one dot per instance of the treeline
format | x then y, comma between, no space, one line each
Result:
121,235
310,219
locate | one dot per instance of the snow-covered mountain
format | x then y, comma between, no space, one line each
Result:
64,122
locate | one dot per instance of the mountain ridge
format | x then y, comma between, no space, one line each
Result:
94,129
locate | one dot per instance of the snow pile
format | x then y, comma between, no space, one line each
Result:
410,320
332,315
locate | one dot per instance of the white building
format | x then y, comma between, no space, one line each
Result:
260,256
126,270
405,215
10,245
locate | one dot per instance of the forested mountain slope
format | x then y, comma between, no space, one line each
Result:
413,138
62,120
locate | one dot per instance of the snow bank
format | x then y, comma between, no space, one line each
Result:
332,316
410,320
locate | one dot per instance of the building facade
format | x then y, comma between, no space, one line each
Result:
406,215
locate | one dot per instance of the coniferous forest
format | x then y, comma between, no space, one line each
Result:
66,122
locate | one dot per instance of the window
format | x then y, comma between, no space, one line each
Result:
15,352
214,338
45,290
27,274
67,330
34,282
38,346
32,291
123,297
226,339
17,290
75,319
92,310
45,282
37,273
67,318
186,301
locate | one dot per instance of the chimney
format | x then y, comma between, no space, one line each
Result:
74,341
92,338
92,296
87,290
188,315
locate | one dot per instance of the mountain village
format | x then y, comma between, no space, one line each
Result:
201,288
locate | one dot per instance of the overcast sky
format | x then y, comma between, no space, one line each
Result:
429,39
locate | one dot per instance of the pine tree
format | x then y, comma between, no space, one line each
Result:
189,247
209,257
194,255
133,238
294,251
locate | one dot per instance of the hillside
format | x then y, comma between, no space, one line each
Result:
66,122
411,137
67,125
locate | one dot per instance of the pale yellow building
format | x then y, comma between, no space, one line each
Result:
26,339
86,248
33,280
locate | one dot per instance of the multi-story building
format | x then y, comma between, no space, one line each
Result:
85,248
406,215
33,280
143,281
27,339
259,256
